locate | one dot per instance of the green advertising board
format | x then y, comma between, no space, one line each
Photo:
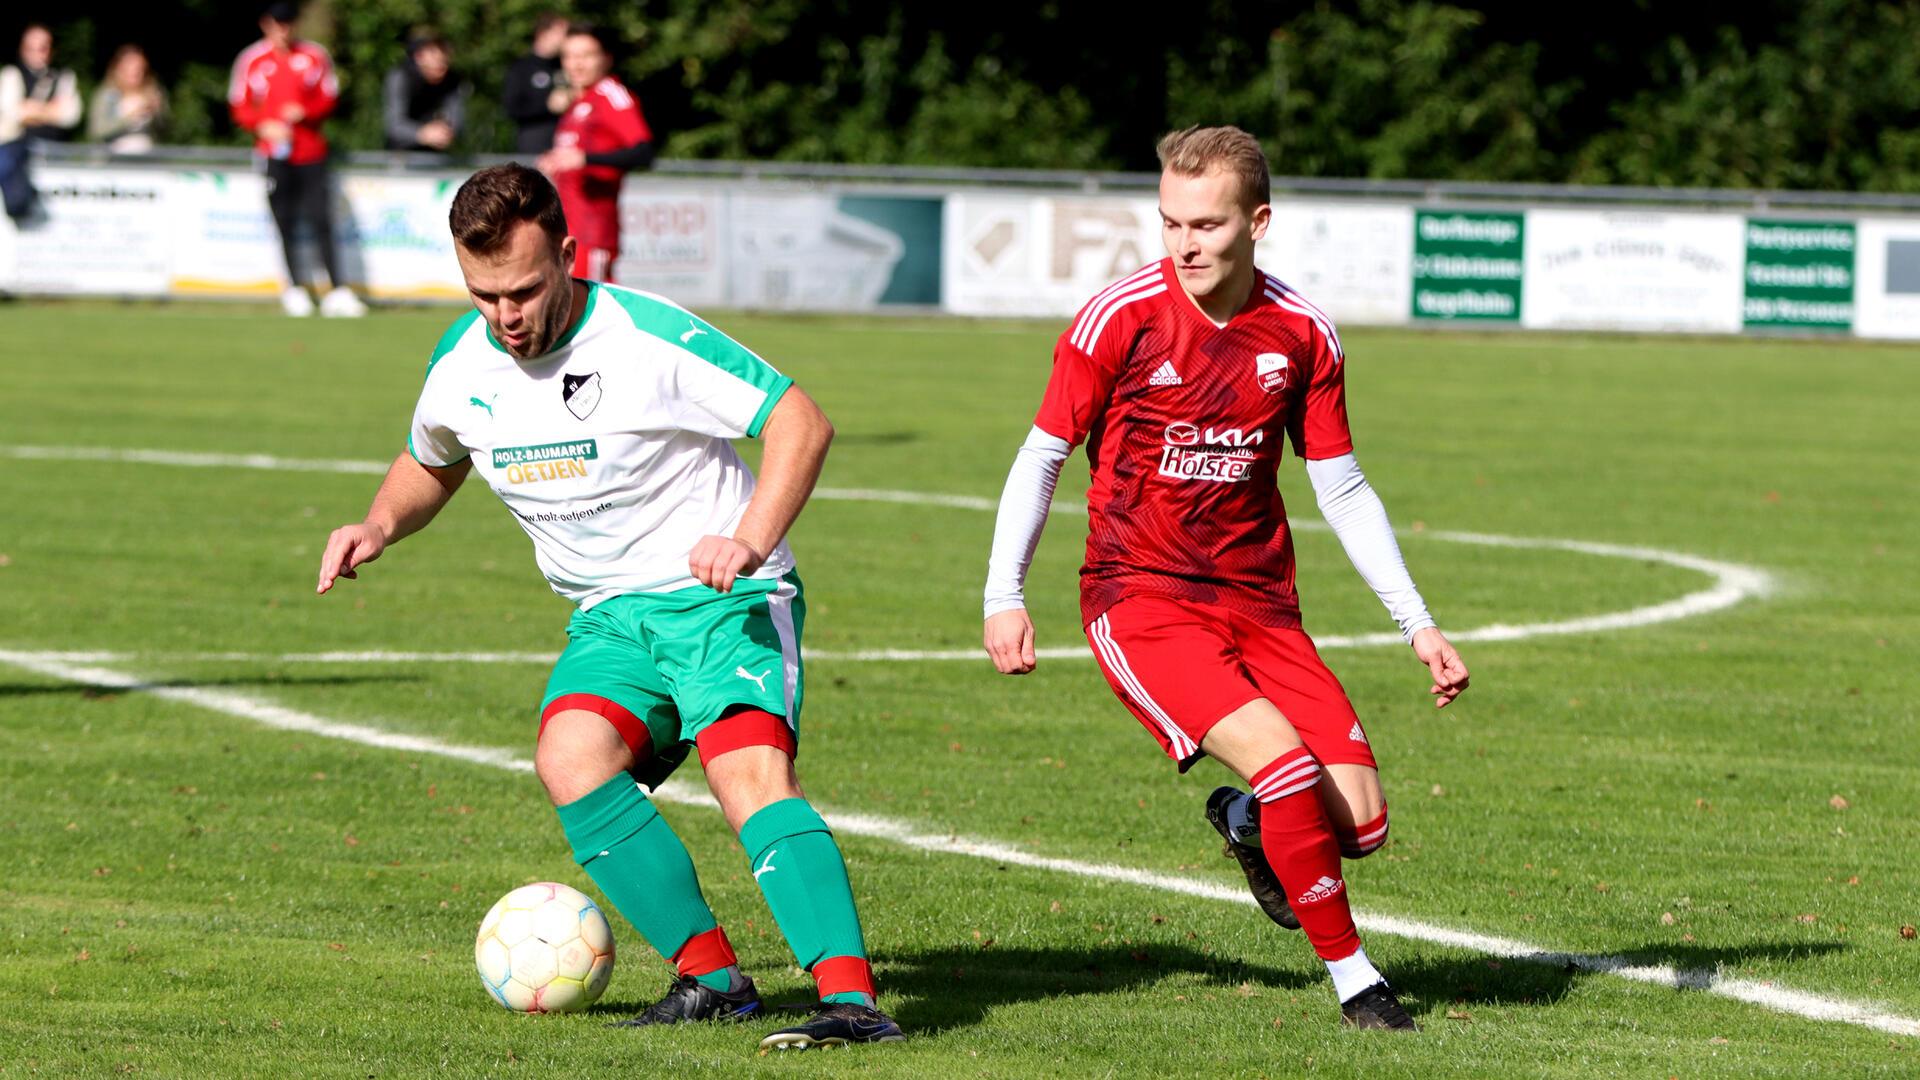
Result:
1800,275
1468,265
916,221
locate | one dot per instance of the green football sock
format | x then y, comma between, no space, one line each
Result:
630,851
798,867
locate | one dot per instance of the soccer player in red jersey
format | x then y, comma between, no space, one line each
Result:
1183,379
600,138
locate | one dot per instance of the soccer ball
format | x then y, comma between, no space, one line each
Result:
544,948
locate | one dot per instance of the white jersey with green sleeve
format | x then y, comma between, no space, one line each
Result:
612,450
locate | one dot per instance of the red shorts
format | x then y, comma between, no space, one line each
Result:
1182,667
594,263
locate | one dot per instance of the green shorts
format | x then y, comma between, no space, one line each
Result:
665,668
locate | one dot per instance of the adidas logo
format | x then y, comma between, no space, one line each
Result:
1164,375
1323,889
1356,735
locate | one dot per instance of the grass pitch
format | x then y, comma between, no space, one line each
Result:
190,893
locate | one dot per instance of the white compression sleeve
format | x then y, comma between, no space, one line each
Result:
1023,513
1350,506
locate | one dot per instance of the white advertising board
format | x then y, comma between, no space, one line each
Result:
394,239
102,232
794,251
1634,270
1036,255
7,271
670,243
223,239
1353,262
1886,297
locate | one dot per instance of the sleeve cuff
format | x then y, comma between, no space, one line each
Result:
774,394
415,455
998,604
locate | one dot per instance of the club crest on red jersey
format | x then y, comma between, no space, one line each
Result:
1271,369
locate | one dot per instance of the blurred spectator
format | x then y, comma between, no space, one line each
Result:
48,97
282,88
426,105
37,101
537,92
129,108
600,138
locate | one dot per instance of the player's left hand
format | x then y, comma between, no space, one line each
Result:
717,560
1443,660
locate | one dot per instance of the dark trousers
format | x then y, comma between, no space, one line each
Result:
297,193
16,189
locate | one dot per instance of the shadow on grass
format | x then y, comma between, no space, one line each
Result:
1434,983
95,692
957,986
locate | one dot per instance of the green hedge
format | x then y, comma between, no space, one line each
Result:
1813,94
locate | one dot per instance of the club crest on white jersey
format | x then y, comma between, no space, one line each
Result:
581,393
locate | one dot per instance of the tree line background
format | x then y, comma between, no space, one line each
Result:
1814,94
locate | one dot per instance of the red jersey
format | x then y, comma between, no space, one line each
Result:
265,81
1183,422
606,117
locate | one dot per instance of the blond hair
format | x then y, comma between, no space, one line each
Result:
1196,151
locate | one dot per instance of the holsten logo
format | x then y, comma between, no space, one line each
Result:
1219,455
548,461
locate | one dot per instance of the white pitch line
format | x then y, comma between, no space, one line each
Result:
194,460
1765,994
1732,582
260,712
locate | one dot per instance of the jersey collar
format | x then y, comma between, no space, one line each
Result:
1178,293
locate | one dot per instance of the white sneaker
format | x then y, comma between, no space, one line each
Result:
340,303
296,302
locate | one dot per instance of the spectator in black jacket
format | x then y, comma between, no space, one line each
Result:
536,91
37,101
426,104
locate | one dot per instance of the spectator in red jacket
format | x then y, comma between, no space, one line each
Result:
282,89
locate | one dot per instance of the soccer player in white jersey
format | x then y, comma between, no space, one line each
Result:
602,418
1185,380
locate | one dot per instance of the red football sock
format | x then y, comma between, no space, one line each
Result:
1301,849
1363,839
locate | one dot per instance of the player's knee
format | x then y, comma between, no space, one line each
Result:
575,756
1365,838
751,779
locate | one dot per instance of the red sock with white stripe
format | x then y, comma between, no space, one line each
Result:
1300,847
1365,838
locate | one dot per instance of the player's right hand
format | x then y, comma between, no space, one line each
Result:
349,547
1009,641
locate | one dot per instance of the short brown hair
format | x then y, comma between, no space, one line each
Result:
1196,151
495,199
